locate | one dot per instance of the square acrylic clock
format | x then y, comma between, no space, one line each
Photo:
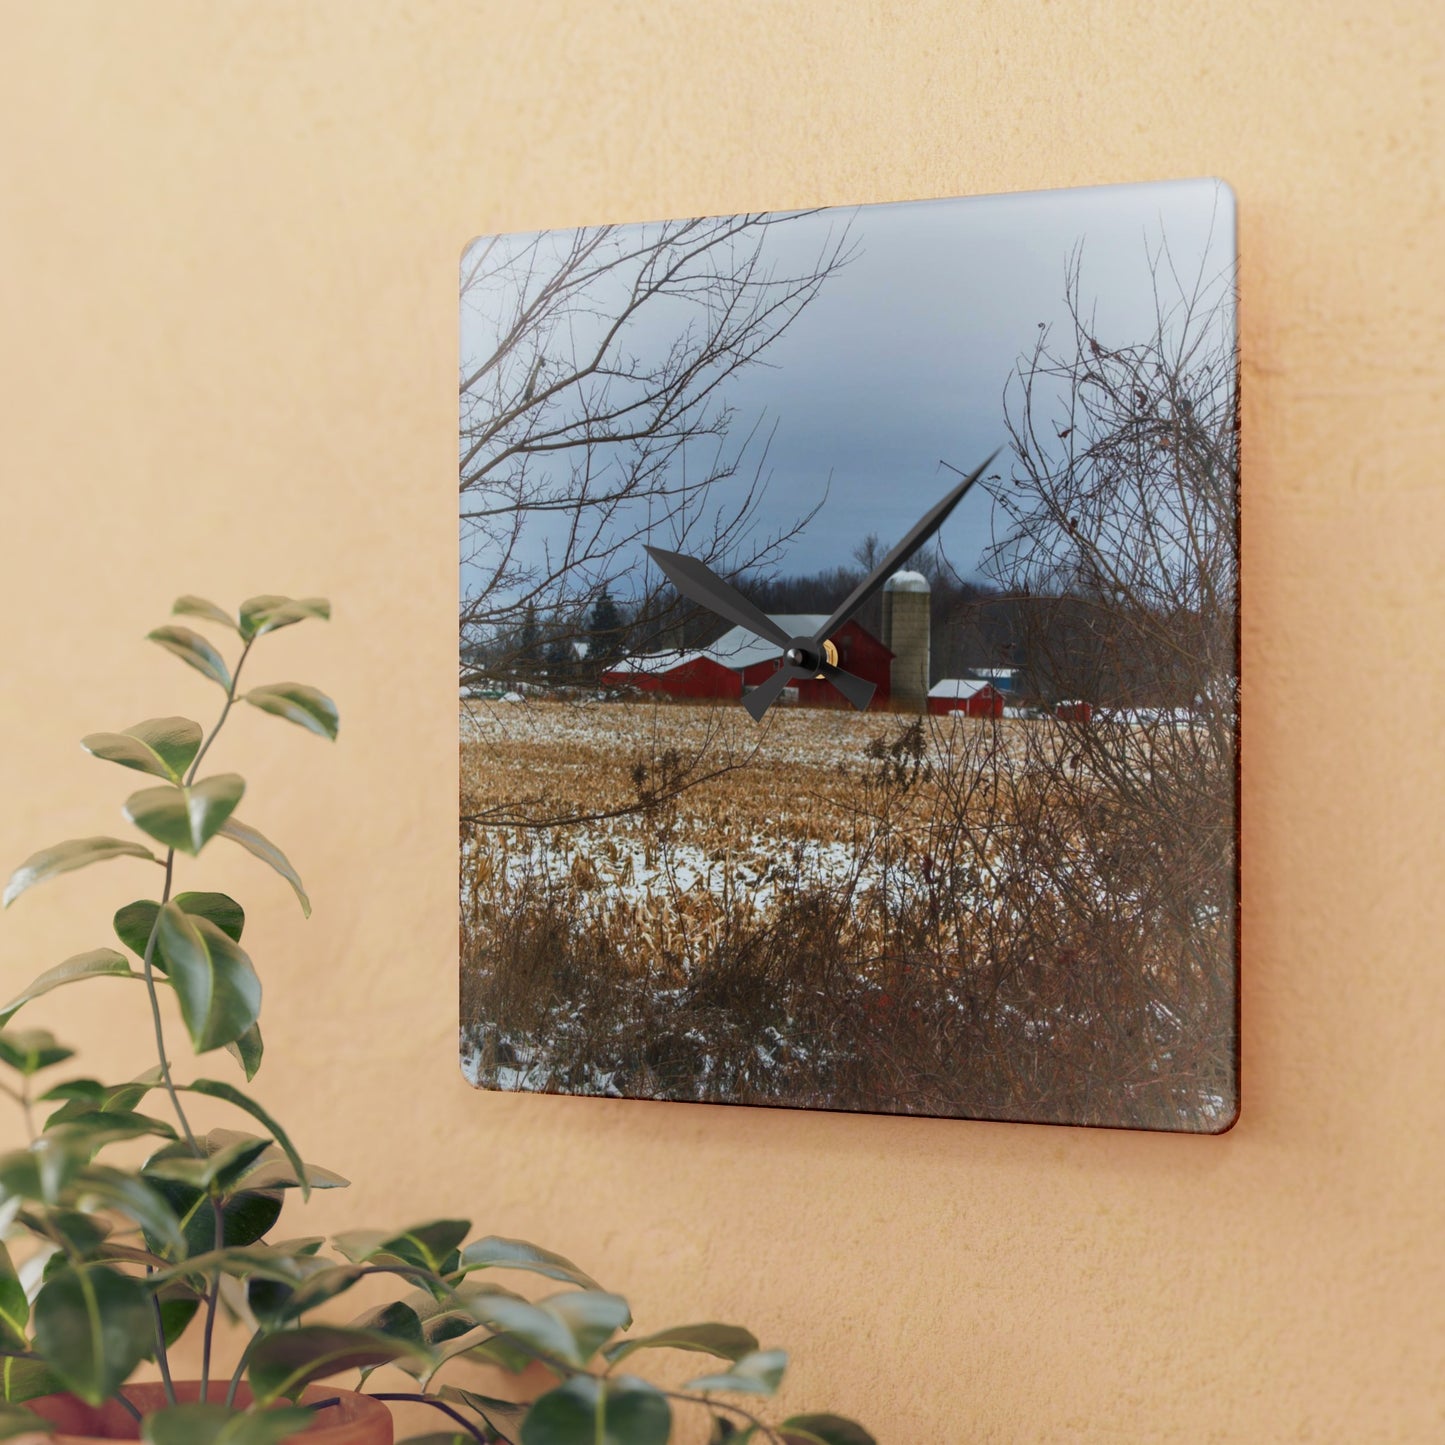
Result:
848,650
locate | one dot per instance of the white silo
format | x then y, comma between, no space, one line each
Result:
906,635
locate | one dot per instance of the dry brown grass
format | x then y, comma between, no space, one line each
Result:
854,912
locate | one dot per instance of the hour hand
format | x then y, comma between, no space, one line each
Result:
699,583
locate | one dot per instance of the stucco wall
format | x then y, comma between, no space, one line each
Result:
228,238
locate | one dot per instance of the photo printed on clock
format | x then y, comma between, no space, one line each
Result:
848,659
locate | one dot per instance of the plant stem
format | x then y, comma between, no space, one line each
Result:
715,1405
162,1354
240,1370
150,980
22,1097
230,698
132,1410
473,1430
212,1296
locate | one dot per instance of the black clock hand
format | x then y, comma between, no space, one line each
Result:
699,583
770,689
900,554
857,690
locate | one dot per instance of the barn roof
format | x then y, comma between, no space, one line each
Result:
959,687
739,648
656,663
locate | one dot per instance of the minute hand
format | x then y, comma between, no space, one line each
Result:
900,554
699,583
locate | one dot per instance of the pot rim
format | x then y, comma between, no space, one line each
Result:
356,1412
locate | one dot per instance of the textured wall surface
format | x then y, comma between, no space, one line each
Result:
228,239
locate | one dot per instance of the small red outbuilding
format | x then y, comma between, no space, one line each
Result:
971,696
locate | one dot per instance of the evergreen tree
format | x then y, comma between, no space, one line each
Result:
606,629
529,646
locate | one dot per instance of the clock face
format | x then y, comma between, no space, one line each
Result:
848,659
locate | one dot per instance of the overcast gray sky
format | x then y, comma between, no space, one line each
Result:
903,356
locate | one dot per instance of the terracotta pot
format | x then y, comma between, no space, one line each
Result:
353,1420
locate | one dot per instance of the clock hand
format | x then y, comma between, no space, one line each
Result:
857,690
900,554
770,689
854,688
699,583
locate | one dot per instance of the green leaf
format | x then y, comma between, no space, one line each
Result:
192,648
505,1351
592,1316
219,993
542,1331
273,1170
397,1321
727,1342
269,612
502,1417
215,1089
16,1421
219,1169
63,857
98,963
199,607
134,922
262,848
570,1327
14,1306
427,1246
30,1050
22,1380
221,1425
105,1188
186,818
163,746
283,1364
297,703
90,1130
590,1411
80,1233
41,1172
759,1373
438,1437
823,1430
245,1217
724,1432
495,1252
83,1095
321,1285
288,1263
247,1051
93,1327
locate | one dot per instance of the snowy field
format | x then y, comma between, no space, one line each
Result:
646,910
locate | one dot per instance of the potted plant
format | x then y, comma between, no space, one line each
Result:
106,1266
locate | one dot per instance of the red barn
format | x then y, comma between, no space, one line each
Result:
859,652
973,697
1074,712
738,660
677,674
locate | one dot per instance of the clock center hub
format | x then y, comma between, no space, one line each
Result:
805,658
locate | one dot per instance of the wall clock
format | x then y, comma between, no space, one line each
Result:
848,659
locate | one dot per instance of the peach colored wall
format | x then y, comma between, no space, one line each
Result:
228,237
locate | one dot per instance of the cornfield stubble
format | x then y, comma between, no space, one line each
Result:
877,912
